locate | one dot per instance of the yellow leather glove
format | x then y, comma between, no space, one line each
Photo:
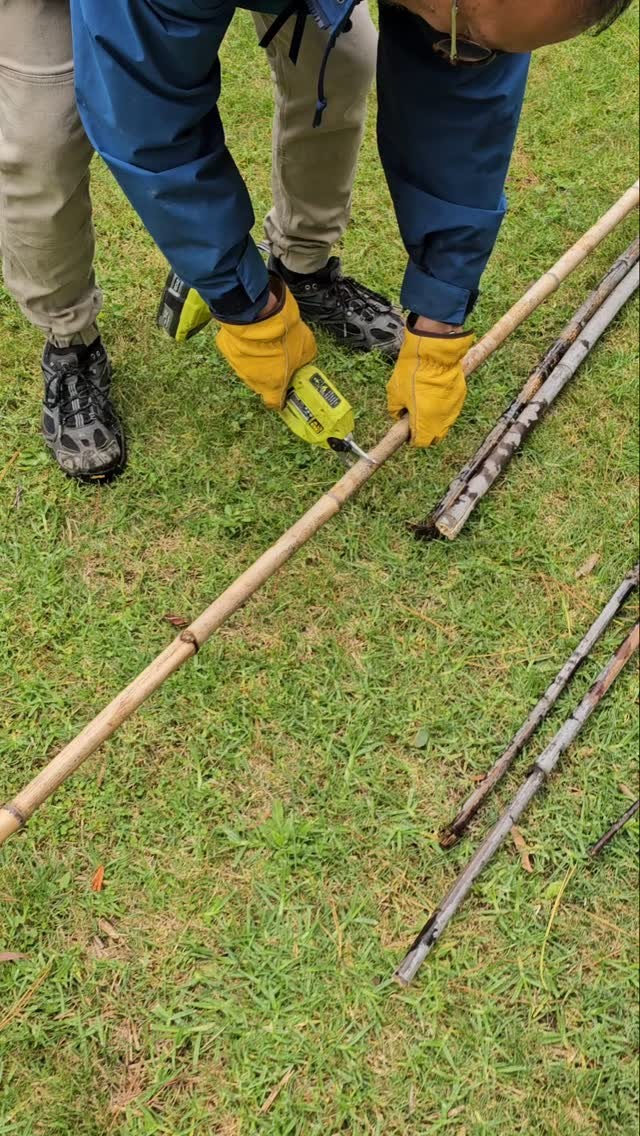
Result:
265,354
429,383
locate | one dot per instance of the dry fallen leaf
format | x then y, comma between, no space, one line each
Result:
176,620
109,930
12,956
521,845
275,1093
97,883
588,566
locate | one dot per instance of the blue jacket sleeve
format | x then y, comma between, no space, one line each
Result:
445,136
147,82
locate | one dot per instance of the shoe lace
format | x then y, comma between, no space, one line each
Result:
360,299
76,396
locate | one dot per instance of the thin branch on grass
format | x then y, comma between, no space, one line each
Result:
24,999
566,339
596,848
452,832
14,457
554,911
541,771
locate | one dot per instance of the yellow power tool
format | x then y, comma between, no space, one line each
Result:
314,410
317,412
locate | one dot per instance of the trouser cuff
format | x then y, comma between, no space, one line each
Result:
85,337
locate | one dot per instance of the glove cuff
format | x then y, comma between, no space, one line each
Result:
413,330
279,289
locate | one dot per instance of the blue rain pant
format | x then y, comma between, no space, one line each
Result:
148,81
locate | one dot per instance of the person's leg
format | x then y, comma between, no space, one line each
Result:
312,177
313,169
46,232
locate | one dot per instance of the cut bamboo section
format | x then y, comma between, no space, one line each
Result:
454,830
542,769
16,812
431,526
456,516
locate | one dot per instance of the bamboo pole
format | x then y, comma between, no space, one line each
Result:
553,278
568,336
16,812
455,517
542,769
185,645
596,848
453,831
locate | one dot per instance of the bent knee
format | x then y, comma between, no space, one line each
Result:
41,134
356,50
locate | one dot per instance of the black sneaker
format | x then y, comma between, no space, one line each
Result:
354,315
79,423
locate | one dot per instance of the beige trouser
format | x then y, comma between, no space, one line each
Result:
46,232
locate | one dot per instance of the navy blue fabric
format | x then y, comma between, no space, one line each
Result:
445,136
148,81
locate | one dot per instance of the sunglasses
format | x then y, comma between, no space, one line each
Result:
462,51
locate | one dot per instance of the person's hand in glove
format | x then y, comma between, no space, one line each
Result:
265,354
428,380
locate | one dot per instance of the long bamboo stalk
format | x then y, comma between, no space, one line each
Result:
596,848
543,767
185,645
553,278
16,812
453,831
567,337
455,517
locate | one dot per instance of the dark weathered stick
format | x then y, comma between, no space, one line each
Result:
452,520
541,770
452,832
567,337
604,840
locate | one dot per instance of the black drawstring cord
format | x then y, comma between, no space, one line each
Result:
295,8
321,104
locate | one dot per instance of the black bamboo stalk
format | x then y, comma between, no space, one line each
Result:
455,517
453,831
567,337
541,771
596,848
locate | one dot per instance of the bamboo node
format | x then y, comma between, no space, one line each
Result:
187,636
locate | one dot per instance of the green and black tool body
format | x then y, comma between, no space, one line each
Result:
314,409
317,412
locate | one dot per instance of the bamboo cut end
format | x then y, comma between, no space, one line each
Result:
10,821
448,837
425,530
403,982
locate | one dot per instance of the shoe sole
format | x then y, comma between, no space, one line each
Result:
105,475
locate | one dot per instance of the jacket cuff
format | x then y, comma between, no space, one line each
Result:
436,299
243,303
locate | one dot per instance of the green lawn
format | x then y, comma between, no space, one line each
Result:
266,826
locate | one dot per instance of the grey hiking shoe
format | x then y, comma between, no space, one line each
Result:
357,317
79,423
